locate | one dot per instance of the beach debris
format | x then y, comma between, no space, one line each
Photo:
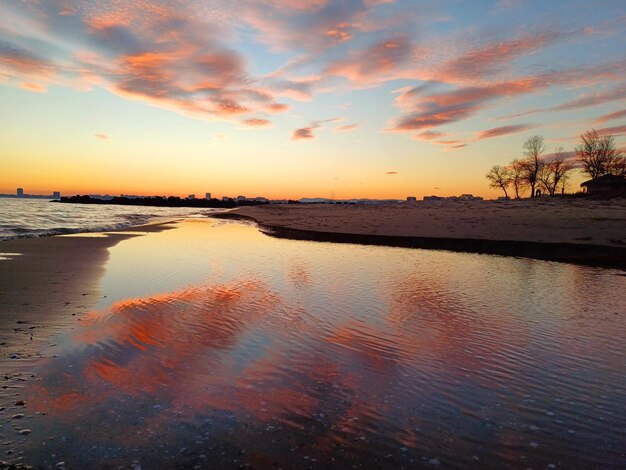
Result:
20,403
17,416
24,432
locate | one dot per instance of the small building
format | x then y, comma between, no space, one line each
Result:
411,199
241,198
433,198
225,198
56,195
191,197
20,192
207,196
469,197
606,186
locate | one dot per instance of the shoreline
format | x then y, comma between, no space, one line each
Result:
588,254
46,284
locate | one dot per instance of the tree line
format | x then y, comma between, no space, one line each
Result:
596,156
161,201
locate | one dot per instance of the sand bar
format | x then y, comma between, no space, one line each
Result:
571,230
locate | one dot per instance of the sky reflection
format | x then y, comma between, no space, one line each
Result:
294,351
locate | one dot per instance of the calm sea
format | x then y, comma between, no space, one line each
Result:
215,346
23,218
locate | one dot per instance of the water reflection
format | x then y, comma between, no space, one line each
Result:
295,354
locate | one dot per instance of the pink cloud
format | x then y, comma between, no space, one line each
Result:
377,63
33,86
504,130
592,99
437,109
615,130
346,128
429,135
102,136
490,58
611,116
304,133
256,122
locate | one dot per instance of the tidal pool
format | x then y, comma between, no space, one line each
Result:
216,346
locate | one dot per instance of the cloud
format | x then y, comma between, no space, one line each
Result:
611,116
304,133
163,53
615,130
503,130
101,136
391,173
316,25
256,122
376,63
592,99
346,128
426,111
444,108
299,90
429,135
490,58
33,86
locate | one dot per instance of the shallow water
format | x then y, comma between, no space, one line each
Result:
217,346
28,218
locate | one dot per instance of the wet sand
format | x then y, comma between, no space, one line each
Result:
569,230
46,284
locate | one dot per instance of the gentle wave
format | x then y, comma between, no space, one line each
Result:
39,218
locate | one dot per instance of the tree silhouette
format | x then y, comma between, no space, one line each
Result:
499,178
531,166
554,171
598,155
517,169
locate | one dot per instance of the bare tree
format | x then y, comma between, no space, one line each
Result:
618,165
598,155
554,172
531,166
517,169
499,178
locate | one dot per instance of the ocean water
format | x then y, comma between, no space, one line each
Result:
24,218
216,346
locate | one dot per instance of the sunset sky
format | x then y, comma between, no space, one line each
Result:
356,98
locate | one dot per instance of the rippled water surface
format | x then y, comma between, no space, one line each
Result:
219,347
28,218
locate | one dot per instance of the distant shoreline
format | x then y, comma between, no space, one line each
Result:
589,254
160,202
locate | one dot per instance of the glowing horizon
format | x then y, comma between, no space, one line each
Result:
353,98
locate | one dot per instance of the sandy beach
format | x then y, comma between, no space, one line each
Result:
573,230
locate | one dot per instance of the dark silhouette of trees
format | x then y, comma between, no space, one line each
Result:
554,171
532,165
598,155
159,201
500,178
517,168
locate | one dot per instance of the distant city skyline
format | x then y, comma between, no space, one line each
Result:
359,98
